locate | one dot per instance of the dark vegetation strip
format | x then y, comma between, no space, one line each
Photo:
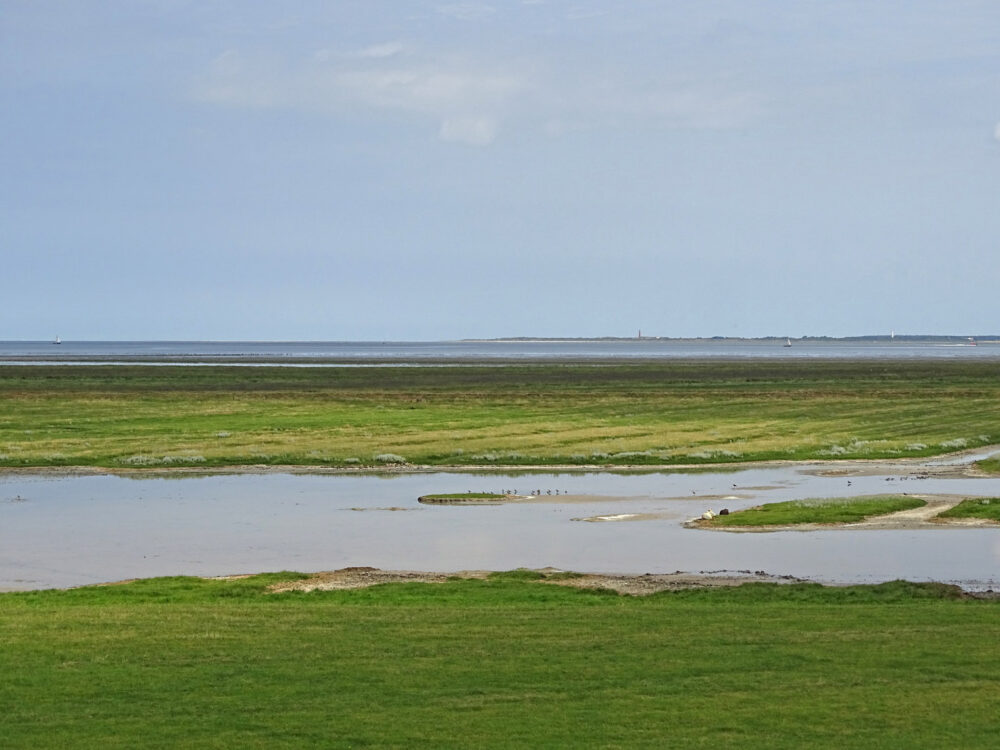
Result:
750,376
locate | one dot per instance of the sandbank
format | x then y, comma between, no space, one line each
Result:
948,465
924,517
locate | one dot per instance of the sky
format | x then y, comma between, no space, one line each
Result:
409,170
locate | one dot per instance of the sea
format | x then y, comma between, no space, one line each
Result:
341,353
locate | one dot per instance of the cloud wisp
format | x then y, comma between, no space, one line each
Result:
465,99
471,98
469,10
472,71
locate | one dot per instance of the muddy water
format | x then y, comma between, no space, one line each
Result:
58,531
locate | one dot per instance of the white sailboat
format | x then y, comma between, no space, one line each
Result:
788,342
57,341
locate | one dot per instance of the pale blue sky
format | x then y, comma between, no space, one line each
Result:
429,170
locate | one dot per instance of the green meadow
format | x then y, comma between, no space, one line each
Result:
607,414
503,662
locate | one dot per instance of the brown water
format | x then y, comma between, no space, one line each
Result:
58,531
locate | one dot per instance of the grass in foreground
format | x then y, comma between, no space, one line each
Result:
608,414
824,510
975,507
505,662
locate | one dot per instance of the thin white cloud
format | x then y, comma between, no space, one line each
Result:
702,107
379,51
467,101
226,83
470,98
467,11
426,89
372,52
583,14
474,131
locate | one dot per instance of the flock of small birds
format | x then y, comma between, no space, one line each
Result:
538,492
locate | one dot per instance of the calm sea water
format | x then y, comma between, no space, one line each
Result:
70,530
289,352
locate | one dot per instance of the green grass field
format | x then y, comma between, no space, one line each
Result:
505,662
685,412
825,510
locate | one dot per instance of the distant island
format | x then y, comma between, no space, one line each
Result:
907,338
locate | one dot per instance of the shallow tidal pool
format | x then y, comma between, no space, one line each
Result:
63,530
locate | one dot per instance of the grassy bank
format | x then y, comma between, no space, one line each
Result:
499,663
825,510
688,412
990,465
975,507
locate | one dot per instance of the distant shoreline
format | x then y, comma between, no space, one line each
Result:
981,338
911,339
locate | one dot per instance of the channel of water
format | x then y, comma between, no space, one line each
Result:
60,531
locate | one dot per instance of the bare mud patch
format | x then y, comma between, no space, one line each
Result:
696,496
625,517
561,499
393,508
363,577
954,464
